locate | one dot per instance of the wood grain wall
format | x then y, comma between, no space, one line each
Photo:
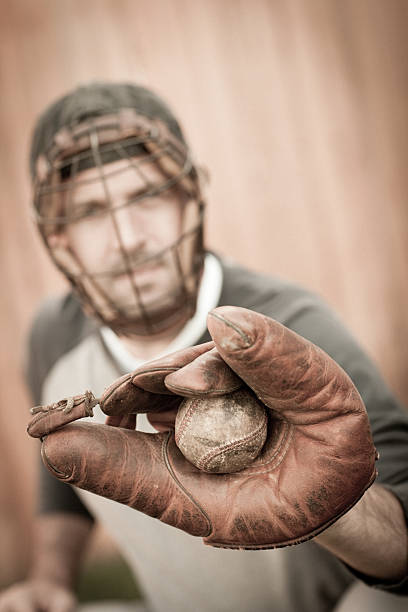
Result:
298,109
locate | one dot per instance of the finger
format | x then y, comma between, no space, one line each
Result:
143,389
151,375
163,421
125,466
122,397
208,375
127,421
288,373
51,417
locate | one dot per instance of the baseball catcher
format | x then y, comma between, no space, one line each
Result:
151,319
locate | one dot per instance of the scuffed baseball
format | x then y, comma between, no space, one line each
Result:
223,434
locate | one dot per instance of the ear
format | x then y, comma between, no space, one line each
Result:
203,175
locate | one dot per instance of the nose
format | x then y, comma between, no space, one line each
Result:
129,229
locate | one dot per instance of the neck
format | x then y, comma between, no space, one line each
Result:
146,348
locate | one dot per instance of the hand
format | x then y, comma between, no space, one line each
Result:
37,595
317,462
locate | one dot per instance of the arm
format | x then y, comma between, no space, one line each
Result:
59,542
317,462
372,537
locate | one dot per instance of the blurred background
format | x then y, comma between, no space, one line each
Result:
298,110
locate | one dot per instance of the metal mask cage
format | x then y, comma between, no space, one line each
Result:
136,141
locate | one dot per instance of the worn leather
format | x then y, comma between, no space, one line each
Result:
318,459
49,418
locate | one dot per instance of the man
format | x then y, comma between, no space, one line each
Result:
119,205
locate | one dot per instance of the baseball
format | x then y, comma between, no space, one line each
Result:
221,435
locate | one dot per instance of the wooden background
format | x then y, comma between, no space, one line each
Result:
298,109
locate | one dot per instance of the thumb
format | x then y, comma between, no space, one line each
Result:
129,467
288,373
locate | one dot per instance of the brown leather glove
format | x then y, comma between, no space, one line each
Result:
318,460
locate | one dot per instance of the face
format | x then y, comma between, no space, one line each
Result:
122,243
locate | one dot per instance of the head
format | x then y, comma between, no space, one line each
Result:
118,203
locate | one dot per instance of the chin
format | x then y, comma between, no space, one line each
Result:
154,301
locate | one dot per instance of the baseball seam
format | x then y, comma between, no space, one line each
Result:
211,455
182,427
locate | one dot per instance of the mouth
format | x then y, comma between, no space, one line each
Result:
137,270
143,278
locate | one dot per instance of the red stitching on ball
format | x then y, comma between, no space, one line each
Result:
181,429
235,443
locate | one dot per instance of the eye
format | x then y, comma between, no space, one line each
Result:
88,209
150,202
161,197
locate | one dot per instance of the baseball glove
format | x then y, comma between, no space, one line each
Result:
317,462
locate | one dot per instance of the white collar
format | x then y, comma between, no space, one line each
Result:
208,298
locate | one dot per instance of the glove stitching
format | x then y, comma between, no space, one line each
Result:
238,330
165,454
158,369
204,392
279,454
114,387
66,406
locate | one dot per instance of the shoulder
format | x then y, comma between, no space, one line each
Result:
59,321
274,297
58,325
305,313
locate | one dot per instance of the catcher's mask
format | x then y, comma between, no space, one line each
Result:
136,141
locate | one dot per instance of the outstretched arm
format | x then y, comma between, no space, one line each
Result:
317,462
372,537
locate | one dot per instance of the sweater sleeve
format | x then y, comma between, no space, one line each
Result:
388,419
